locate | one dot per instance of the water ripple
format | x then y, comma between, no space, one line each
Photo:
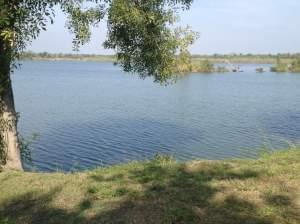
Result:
90,114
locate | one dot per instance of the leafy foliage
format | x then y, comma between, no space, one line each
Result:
25,147
140,32
185,37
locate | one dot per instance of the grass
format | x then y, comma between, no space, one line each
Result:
262,191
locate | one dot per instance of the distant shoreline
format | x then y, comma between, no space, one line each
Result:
242,59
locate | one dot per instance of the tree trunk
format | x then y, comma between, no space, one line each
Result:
10,134
13,155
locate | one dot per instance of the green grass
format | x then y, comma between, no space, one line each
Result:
262,191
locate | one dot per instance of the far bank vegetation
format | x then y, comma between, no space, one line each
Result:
187,63
281,66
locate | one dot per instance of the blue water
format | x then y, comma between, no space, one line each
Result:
90,114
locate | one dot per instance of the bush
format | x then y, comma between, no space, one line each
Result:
295,66
285,67
204,66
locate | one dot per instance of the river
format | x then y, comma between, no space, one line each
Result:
91,114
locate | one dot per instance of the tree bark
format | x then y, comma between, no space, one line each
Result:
13,155
9,115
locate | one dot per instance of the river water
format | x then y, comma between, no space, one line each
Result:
89,114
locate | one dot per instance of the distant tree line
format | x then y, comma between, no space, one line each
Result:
29,55
280,55
215,58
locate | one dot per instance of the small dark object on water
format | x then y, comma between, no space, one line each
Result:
237,69
260,70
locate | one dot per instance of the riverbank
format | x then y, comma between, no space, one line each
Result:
216,59
159,191
198,63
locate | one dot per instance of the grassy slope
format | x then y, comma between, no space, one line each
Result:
264,191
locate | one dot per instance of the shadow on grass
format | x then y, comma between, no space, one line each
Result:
170,194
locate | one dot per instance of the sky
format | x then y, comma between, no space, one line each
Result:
225,27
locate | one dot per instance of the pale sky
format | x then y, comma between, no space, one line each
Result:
225,26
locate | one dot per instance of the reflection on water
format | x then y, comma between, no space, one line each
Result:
91,114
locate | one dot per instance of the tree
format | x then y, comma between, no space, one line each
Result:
140,31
